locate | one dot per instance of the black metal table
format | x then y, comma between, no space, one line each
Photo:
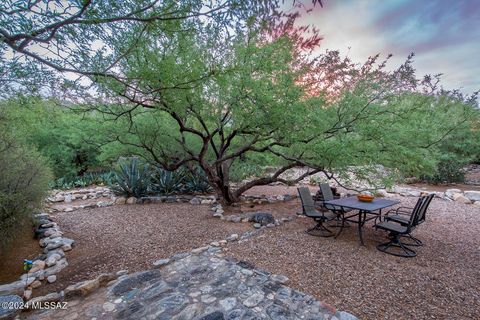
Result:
375,207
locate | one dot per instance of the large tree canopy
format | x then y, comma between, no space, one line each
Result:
218,101
39,37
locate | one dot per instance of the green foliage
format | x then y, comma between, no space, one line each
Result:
196,182
238,106
89,178
131,178
447,171
251,166
233,93
68,140
23,179
168,182
456,150
182,180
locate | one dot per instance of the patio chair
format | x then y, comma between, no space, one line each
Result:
325,193
397,231
308,209
401,215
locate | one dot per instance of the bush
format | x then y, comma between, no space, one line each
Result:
448,171
89,178
68,140
23,184
131,178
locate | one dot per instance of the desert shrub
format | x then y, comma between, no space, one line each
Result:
23,184
131,178
87,179
68,140
449,170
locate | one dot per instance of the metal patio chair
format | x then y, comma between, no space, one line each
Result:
320,217
401,215
398,230
325,193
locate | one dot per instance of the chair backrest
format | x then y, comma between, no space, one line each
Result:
423,209
412,222
418,211
308,206
326,191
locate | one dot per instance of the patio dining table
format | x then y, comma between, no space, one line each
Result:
374,208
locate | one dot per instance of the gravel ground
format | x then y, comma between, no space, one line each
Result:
442,282
131,237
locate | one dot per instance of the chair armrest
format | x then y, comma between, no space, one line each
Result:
404,211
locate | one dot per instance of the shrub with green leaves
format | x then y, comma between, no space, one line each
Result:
69,140
131,178
23,184
24,178
88,179
449,170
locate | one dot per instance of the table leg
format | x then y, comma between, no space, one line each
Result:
360,224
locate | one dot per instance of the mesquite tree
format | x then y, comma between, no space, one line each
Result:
219,100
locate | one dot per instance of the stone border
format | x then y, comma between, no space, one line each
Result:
68,196
457,195
46,265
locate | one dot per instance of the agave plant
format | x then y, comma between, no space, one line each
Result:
197,182
81,182
168,182
131,178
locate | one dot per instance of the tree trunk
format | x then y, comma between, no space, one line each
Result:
227,196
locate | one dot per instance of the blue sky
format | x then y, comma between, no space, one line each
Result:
443,34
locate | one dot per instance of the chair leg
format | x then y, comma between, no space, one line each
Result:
416,242
320,231
341,228
396,243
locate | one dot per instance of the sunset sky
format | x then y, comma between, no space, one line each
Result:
444,34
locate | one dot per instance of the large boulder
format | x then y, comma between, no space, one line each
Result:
472,195
10,301
262,218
